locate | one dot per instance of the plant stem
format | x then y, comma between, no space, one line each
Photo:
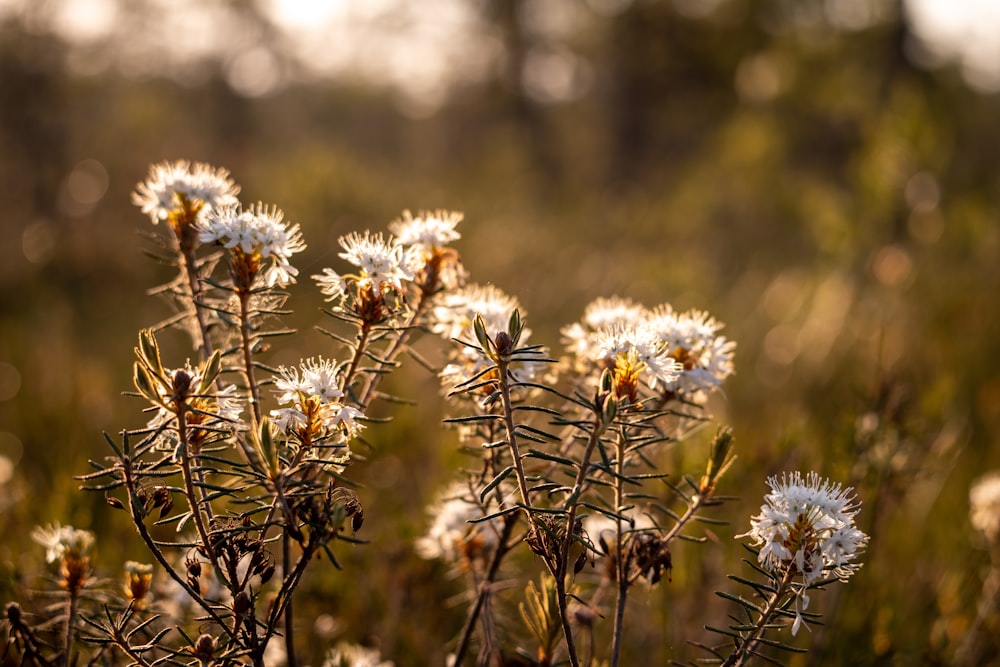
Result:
137,521
522,482
189,490
393,351
621,566
247,346
74,599
359,352
289,618
190,264
748,644
508,415
564,618
693,507
574,496
485,588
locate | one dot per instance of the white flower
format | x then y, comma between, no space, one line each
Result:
453,317
313,377
258,230
352,655
457,310
693,340
428,230
331,284
622,339
451,529
345,416
62,541
382,262
806,526
158,195
316,380
984,506
601,314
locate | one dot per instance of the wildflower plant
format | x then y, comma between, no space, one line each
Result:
239,479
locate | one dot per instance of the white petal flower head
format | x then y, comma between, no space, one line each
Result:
622,339
607,312
451,527
427,230
692,338
167,182
313,377
259,230
353,655
382,262
345,417
806,528
62,541
601,314
808,524
457,310
984,506
331,284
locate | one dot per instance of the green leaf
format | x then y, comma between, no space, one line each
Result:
501,476
746,604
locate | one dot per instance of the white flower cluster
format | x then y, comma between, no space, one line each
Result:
259,230
453,317
317,379
383,263
640,340
455,312
806,526
199,183
984,506
612,326
388,263
427,230
61,541
353,655
450,528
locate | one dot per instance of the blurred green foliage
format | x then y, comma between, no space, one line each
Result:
834,204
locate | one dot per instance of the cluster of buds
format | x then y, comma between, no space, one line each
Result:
159,498
182,194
